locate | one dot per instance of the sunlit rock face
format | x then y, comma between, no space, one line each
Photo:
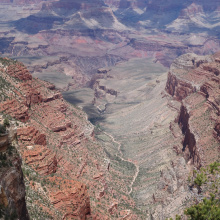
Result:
194,81
75,38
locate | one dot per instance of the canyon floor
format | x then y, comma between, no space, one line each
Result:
136,117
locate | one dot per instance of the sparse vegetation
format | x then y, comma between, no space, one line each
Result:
208,209
207,180
7,62
6,122
7,157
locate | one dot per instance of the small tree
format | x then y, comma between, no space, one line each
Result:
6,122
200,180
208,209
214,167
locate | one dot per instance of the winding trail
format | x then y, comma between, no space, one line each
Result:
120,156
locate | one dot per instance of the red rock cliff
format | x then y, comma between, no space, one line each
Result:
61,157
28,93
194,81
12,188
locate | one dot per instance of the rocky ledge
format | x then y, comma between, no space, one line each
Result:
64,166
194,81
22,96
12,188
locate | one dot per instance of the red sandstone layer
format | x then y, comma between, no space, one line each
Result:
195,81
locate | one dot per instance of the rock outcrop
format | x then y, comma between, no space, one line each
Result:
71,196
12,188
194,81
189,141
33,144
19,71
61,157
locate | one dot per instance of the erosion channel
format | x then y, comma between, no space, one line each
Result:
131,110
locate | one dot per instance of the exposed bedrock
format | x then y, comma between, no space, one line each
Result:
12,188
194,81
12,184
178,88
62,160
189,141
31,99
178,85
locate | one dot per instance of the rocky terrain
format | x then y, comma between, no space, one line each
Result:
137,113
12,188
165,134
138,167
194,81
71,39
110,59
66,171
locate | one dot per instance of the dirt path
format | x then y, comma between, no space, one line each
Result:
120,156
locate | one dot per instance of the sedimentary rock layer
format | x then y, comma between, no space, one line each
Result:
194,81
64,165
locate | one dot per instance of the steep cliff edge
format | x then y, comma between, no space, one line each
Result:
20,93
194,81
12,188
67,173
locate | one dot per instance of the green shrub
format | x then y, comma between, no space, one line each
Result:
208,209
214,167
6,122
200,179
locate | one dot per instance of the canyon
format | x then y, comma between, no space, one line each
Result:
146,143
111,105
67,173
74,38
164,133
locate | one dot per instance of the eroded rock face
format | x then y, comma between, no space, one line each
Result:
61,157
12,188
194,81
19,71
15,109
178,88
31,135
13,185
72,196
33,144
189,142
178,85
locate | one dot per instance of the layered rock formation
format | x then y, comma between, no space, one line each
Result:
12,188
194,81
33,144
164,136
76,38
60,155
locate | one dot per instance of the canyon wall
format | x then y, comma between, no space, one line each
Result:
194,81
67,174
73,39
33,145
12,188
